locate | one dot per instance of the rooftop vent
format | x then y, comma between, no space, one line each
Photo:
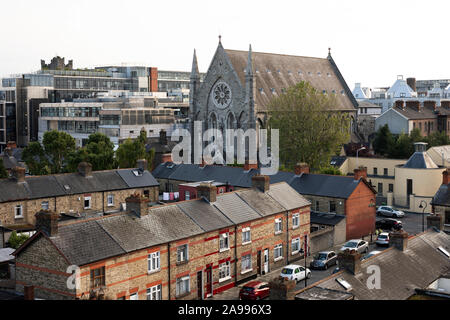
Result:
347,286
138,172
445,252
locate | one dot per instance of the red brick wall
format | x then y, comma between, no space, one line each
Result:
360,217
153,80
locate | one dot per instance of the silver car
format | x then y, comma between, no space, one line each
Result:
388,211
383,239
323,260
356,244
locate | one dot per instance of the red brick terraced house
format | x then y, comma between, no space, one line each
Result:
187,250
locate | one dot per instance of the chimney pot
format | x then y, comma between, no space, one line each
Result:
301,168
138,205
261,183
249,165
163,137
47,222
85,169
208,191
167,157
446,176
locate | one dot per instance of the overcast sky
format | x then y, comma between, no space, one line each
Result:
372,41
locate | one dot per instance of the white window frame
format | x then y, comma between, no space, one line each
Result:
154,262
84,203
224,239
278,250
110,203
295,218
185,282
20,208
246,263
154,292
225,271
134,295
278,226
246,240
184,255
298,241
45,205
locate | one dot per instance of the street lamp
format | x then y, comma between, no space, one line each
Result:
423,213
357,151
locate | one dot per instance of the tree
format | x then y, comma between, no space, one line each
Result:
35,158
58,146
330,170
384,141
3,172
403,147
15,240
99,152
130,152
438,139
309,131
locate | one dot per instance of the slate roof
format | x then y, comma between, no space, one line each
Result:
235,209
401,272
325,185
420,160
326,218
318,293
207,216
287,196
442,196
261,202
38,187
284,72
425,113
6,254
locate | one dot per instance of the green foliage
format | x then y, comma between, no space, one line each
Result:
309,131
99,151
384,141
15,240
58,146
131,151
35,159
3,172
330,170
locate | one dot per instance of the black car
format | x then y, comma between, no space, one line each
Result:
388,224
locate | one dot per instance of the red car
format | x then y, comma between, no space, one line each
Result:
254,290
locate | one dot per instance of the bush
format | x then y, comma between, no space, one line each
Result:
15,240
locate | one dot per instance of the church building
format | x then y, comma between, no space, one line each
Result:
239,86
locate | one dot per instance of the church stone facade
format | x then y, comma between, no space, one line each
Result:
239,85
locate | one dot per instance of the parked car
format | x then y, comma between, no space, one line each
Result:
383,239
323,260
388,224
295,272
388,211
370,254
356,244
254,290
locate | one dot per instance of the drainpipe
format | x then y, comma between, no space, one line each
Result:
235,256
287,237
168,269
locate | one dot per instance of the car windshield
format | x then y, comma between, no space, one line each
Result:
350,244
382,236
248,289
286,271
322,256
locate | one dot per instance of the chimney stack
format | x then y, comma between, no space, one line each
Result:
436,220
412,83
400,104
431,104
399,239
163,137
301,168
360,172
138,205
47,222
208,191
167,157
350,260
142,164
261,183
446,176
28,293
85,169
249,166
18,173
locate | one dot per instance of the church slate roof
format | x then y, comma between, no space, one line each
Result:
279,71
420,160
442,196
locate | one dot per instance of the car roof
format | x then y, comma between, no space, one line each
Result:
375,252
384,233
354,240
293,266
253,284
327,252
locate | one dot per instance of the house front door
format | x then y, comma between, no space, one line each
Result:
266,261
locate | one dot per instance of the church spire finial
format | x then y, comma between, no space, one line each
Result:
249,61
195,71
329,52
220,38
